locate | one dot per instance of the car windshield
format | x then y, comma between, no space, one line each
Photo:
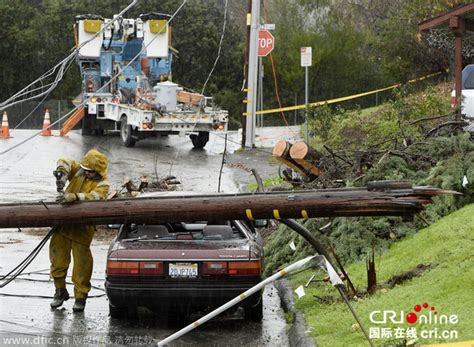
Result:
469,82
184,231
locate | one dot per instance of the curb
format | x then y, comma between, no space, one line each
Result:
297,334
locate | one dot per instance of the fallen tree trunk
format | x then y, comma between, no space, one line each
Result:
276,205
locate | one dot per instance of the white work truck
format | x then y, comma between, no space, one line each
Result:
125,66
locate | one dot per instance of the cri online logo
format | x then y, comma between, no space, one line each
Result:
412,317
423,314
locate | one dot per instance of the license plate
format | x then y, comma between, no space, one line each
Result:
183,269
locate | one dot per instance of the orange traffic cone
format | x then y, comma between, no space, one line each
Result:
5,133
46,123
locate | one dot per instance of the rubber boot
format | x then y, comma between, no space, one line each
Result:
79,305
60,296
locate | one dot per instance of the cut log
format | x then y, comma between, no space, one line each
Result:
188,208
306,157
281,151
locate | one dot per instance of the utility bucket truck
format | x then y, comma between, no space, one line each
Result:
126,82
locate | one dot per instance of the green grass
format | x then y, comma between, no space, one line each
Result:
272,181
367,111
449,286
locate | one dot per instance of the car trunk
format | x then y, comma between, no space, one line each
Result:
182,250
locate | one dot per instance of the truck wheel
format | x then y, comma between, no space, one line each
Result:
87,125
199,141
126,132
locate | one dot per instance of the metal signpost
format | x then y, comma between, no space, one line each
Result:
261,44
306,61
252,75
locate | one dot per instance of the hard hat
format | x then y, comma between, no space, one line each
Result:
85,168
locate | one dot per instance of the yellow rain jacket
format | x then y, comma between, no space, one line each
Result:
77,239
85,189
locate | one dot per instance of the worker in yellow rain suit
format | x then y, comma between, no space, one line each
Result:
87,181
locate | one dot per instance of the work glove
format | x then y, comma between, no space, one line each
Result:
61,179
66,198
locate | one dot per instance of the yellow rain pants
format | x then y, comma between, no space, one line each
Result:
60,257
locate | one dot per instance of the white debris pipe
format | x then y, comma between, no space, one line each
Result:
236,300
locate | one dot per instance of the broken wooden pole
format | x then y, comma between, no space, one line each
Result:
306,157
281,151
189,208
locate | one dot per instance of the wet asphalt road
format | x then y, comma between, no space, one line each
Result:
26,171
26,175
31,318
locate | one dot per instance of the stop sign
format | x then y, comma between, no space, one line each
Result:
266,43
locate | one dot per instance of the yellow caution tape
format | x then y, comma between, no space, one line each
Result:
247,101
247,90
242,296
276,214
248,212
304,213
196,324
345,98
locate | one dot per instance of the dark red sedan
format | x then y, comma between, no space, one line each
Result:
183,267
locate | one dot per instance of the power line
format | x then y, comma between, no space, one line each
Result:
61,66
275,80
96,92
219,50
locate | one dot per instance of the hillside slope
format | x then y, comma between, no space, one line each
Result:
448,246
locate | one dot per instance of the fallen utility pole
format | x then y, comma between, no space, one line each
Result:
381,201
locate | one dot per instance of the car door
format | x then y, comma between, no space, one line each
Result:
468,91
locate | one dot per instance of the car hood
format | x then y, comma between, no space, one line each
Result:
182,250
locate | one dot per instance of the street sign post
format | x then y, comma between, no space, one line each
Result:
266,43
306,61
306,56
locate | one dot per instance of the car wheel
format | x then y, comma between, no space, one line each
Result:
88,123
254,313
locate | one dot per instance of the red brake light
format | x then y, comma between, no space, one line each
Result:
245,268
134,267
122,267
184,236
214,268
